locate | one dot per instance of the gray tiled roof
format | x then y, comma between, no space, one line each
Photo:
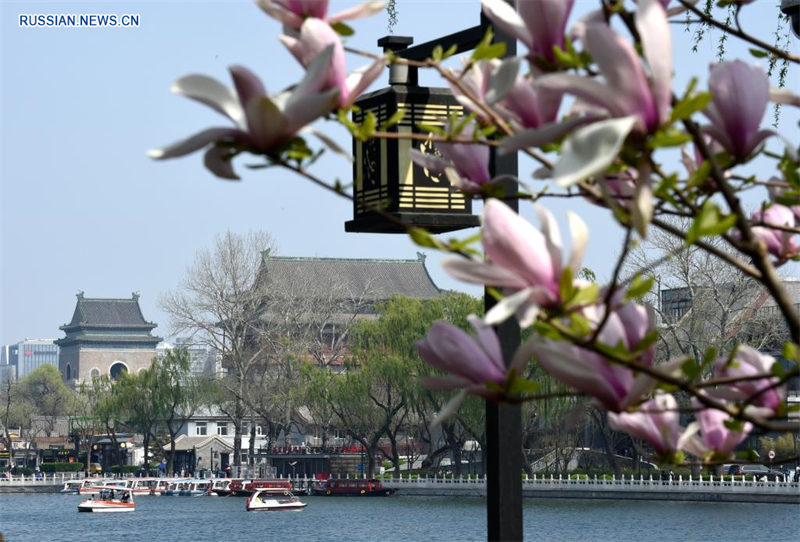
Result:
95,312
369,280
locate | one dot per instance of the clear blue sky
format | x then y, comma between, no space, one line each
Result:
83,208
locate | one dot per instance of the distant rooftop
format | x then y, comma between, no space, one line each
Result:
105,312
367,279
108,320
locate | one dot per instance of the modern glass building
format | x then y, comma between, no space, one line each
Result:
24,357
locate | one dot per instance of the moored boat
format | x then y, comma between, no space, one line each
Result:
357,488
221,486
273,500
73,487
109,499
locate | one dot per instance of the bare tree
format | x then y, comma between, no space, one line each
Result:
701,302
217,304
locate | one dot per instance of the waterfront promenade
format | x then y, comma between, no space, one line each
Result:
706,489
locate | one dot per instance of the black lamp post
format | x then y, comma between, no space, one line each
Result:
385,178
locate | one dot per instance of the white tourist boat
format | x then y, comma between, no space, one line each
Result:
271,500
110,499
74,487
141,486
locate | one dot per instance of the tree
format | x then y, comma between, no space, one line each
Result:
177,395
16,412
135,400
50,397
702,303
218,305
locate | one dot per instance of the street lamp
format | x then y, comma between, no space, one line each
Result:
391,194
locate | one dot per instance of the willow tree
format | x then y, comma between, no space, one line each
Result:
177,395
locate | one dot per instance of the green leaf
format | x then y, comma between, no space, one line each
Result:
688,106
391,121
709,357
640,285
700,175
709,221
523,386
440,54
758,53
565,284
585,295
424,238
791,351
668,138
778,370
431,128
342,29
486,50
690,369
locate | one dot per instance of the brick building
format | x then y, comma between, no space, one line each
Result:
105,337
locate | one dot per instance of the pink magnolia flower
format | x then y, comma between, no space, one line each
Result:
471,361
740,93
292,13
714,435
522,259
761,393
539,24
497,83
263,124
776,193
613,386
780,243
656,421
626,89
466,165
315,36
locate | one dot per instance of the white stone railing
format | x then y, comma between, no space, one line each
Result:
736,484
46,479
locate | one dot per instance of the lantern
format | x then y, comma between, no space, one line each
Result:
390,192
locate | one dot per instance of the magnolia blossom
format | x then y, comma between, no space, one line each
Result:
471,361
263,124
714,435
539,24
626,89
522,260
656,421
466,165
780,243
494,82
762,393
315,36
776,193
613,386
292,13
740,93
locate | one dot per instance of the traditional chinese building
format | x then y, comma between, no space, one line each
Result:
105,337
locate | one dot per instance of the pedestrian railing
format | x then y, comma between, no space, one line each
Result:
45,479
677,484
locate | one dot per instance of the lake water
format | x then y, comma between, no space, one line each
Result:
54,517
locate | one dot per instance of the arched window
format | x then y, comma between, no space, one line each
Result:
117,369
95,373
69,372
